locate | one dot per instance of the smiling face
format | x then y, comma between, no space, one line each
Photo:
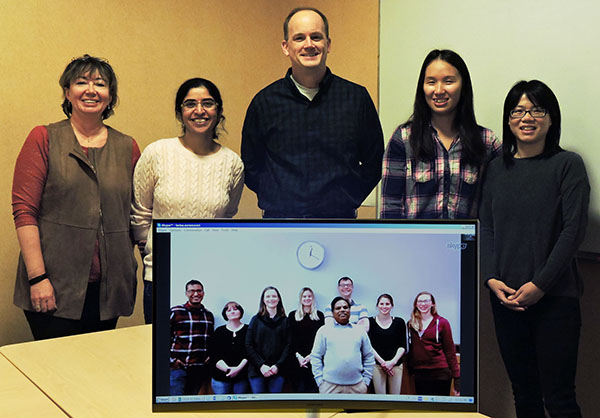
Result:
424,303
307,298
529,132
341,312
201,119
307,45
442,87
271,299
384,305
345,288
88,94
233,312
195,294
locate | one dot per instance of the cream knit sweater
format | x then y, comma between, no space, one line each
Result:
172,182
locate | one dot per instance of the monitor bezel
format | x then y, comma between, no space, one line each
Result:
351,402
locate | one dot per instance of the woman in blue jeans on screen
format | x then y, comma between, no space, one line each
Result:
533,218
228,352
267,343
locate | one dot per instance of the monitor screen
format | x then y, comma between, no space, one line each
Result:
196,328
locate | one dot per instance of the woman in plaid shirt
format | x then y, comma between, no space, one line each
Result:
433,162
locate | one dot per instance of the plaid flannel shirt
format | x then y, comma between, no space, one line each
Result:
438,188
191,329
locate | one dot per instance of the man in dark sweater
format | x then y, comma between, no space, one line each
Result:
312,143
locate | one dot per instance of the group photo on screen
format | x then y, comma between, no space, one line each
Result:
314,311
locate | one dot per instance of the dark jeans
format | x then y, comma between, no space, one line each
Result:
272,384
147,301
237,386
44,325
188,381
539,349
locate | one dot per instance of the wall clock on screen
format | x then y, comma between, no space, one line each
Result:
310,254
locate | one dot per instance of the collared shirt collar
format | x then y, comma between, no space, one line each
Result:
324,84
348,325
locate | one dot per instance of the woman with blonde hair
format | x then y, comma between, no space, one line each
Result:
432,353
303,324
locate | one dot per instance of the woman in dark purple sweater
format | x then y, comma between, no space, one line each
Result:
533,218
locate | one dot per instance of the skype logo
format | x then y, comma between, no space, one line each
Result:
456,245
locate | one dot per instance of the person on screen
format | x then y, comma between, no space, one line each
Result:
192,327
342,357
433,163
358,313
267,344
312,143
388,338
303,324
228,352
189,176
71,196
432,353
533,219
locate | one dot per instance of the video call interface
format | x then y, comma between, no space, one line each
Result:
236,260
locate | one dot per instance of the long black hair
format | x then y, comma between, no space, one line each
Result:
421,141
541,96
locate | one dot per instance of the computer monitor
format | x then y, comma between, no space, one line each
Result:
236,259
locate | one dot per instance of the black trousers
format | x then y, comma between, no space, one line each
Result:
44,325
539,348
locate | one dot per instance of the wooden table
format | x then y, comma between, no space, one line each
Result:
21,398
108,374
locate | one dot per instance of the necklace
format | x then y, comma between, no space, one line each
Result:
98,138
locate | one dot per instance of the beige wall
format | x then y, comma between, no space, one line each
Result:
153,46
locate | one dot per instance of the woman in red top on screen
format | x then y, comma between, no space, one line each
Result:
71,200
433,162
432,354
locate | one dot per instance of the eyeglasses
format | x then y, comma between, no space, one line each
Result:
192,291
346,285
207,104
536,112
